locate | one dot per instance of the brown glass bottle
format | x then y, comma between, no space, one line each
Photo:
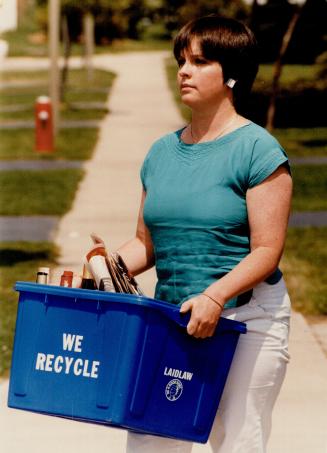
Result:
87,279
66,279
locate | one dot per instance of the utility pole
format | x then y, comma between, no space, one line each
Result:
89,44
21,7
53,27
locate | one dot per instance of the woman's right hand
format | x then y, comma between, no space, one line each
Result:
205,315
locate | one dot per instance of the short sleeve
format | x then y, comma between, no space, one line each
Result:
143,173
267,156
148,162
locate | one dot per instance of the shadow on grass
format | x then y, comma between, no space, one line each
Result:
315,143
10,257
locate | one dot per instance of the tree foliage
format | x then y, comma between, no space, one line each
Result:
175,13
126,18
116,19
113,18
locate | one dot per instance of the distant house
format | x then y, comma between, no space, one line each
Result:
8,15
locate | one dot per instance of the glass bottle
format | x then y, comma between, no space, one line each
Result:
87,279
42,275
66,279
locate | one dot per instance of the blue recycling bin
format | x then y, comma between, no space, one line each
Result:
117,359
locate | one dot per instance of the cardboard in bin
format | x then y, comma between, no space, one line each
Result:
117,359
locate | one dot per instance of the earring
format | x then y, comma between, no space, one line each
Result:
230,83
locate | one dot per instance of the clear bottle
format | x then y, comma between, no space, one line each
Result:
96,262
42,275
66,279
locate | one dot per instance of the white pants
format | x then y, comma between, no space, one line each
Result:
243,420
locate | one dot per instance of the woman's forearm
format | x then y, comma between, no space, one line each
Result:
268,206
253,269
137,256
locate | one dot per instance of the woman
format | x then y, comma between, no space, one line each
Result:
213,221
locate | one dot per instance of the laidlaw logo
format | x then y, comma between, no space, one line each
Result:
68,365
174,389
178,373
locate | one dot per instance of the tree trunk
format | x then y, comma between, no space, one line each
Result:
88,24
278,68
67,51
54,85
22,6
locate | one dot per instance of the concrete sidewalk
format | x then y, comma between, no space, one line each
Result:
107,202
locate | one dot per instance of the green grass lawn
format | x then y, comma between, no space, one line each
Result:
70,143
290,73
310,187
76,77
73,144
24,95
47,192
304,267
68,110
18,261
35,83
303,142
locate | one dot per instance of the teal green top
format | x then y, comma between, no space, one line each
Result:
195,207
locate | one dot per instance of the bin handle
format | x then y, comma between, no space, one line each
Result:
182,319
174,314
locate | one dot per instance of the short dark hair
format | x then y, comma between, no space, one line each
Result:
227,41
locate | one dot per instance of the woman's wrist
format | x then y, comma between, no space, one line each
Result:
213,299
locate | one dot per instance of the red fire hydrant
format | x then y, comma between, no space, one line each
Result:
43,125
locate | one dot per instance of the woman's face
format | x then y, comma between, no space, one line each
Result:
200,81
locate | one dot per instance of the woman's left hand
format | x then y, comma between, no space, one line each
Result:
204,316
